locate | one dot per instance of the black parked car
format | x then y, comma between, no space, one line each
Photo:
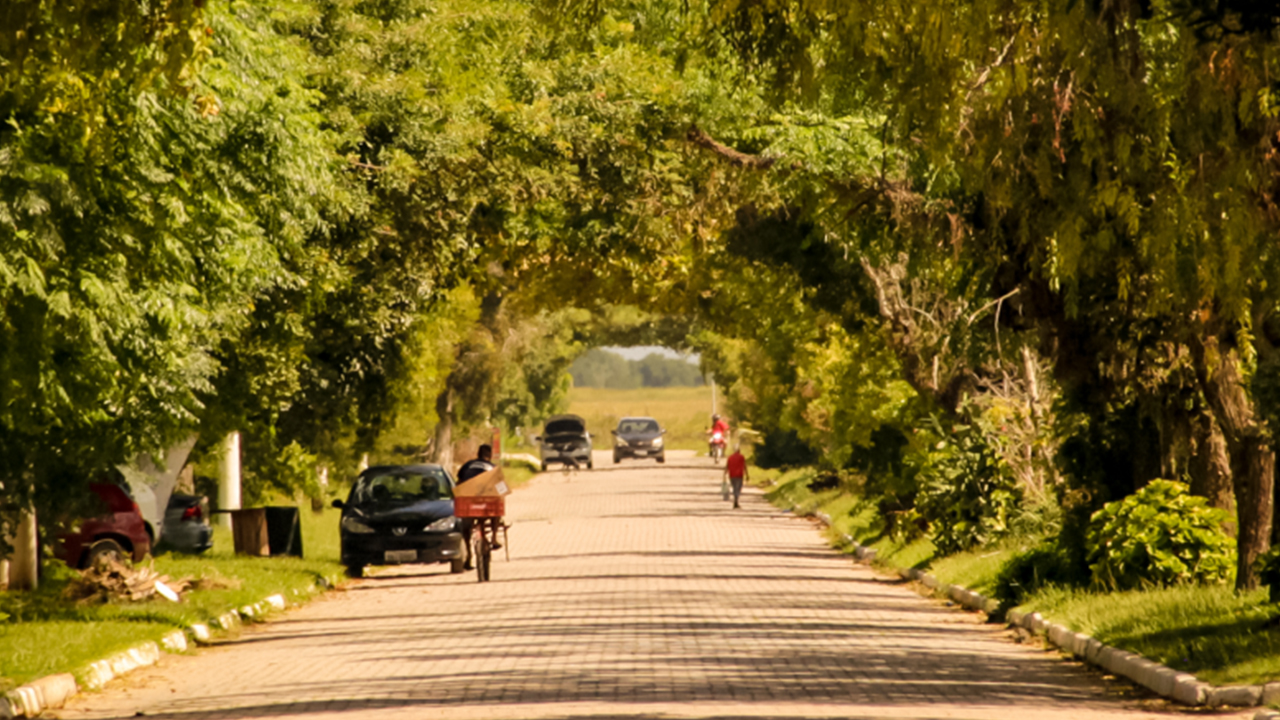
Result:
638,437
565,440
399,514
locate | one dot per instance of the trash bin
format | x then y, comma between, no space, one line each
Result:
249,530
284,531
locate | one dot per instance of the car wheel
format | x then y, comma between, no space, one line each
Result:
662,458
589,465
616,459
544,466
456,567
102,551
355,571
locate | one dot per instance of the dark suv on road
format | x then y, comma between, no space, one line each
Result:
638,437
398,514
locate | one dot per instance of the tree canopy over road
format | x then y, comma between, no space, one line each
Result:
1008,257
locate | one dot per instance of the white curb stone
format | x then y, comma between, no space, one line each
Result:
1242,695
1058,636
1189,691
147,653
1092,650
200,633
276,601
98,674
174,642
23,701
227,620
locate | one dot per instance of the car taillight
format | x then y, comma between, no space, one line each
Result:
136,509
192,513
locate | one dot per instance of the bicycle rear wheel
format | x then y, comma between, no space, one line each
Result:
483,555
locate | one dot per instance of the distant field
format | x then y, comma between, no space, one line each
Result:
684,411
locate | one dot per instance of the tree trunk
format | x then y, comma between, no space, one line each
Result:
24,566
1210,466
1252,461
442,444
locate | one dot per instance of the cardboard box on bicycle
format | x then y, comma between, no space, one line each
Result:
487,484
481,496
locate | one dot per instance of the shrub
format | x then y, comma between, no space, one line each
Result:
784,449
1159,536
967,493
1028,571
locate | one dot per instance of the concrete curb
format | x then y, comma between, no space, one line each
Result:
1180,687
53,691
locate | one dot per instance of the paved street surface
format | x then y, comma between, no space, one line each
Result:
632,591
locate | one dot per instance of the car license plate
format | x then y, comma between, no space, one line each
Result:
401,556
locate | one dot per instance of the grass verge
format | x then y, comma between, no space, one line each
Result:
46,634
1210,631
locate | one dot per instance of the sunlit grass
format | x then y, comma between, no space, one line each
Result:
46,634
1220,636
685,412
978,569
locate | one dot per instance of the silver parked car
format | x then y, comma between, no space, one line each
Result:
185,527
565,440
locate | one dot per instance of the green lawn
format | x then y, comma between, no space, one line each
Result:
1212,632
685,412
45,634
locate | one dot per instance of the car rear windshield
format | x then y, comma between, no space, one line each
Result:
564,426
638,426
404,486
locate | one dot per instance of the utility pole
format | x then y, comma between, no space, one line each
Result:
712,378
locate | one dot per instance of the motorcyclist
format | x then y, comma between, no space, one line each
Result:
721,426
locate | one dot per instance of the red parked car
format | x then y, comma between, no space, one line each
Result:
119,533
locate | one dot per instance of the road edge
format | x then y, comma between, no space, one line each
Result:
53,691
1183,688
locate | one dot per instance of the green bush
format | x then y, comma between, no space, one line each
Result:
1159,536
967,493
1028,571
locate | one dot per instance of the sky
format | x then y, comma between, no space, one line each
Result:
639,351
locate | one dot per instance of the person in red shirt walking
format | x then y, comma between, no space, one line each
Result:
736,470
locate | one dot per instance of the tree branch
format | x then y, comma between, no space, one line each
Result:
699,137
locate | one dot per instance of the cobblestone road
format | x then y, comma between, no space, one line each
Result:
632,591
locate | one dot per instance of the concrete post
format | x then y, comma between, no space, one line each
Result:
229,478
24,566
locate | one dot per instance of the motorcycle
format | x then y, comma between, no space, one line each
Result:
717,447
